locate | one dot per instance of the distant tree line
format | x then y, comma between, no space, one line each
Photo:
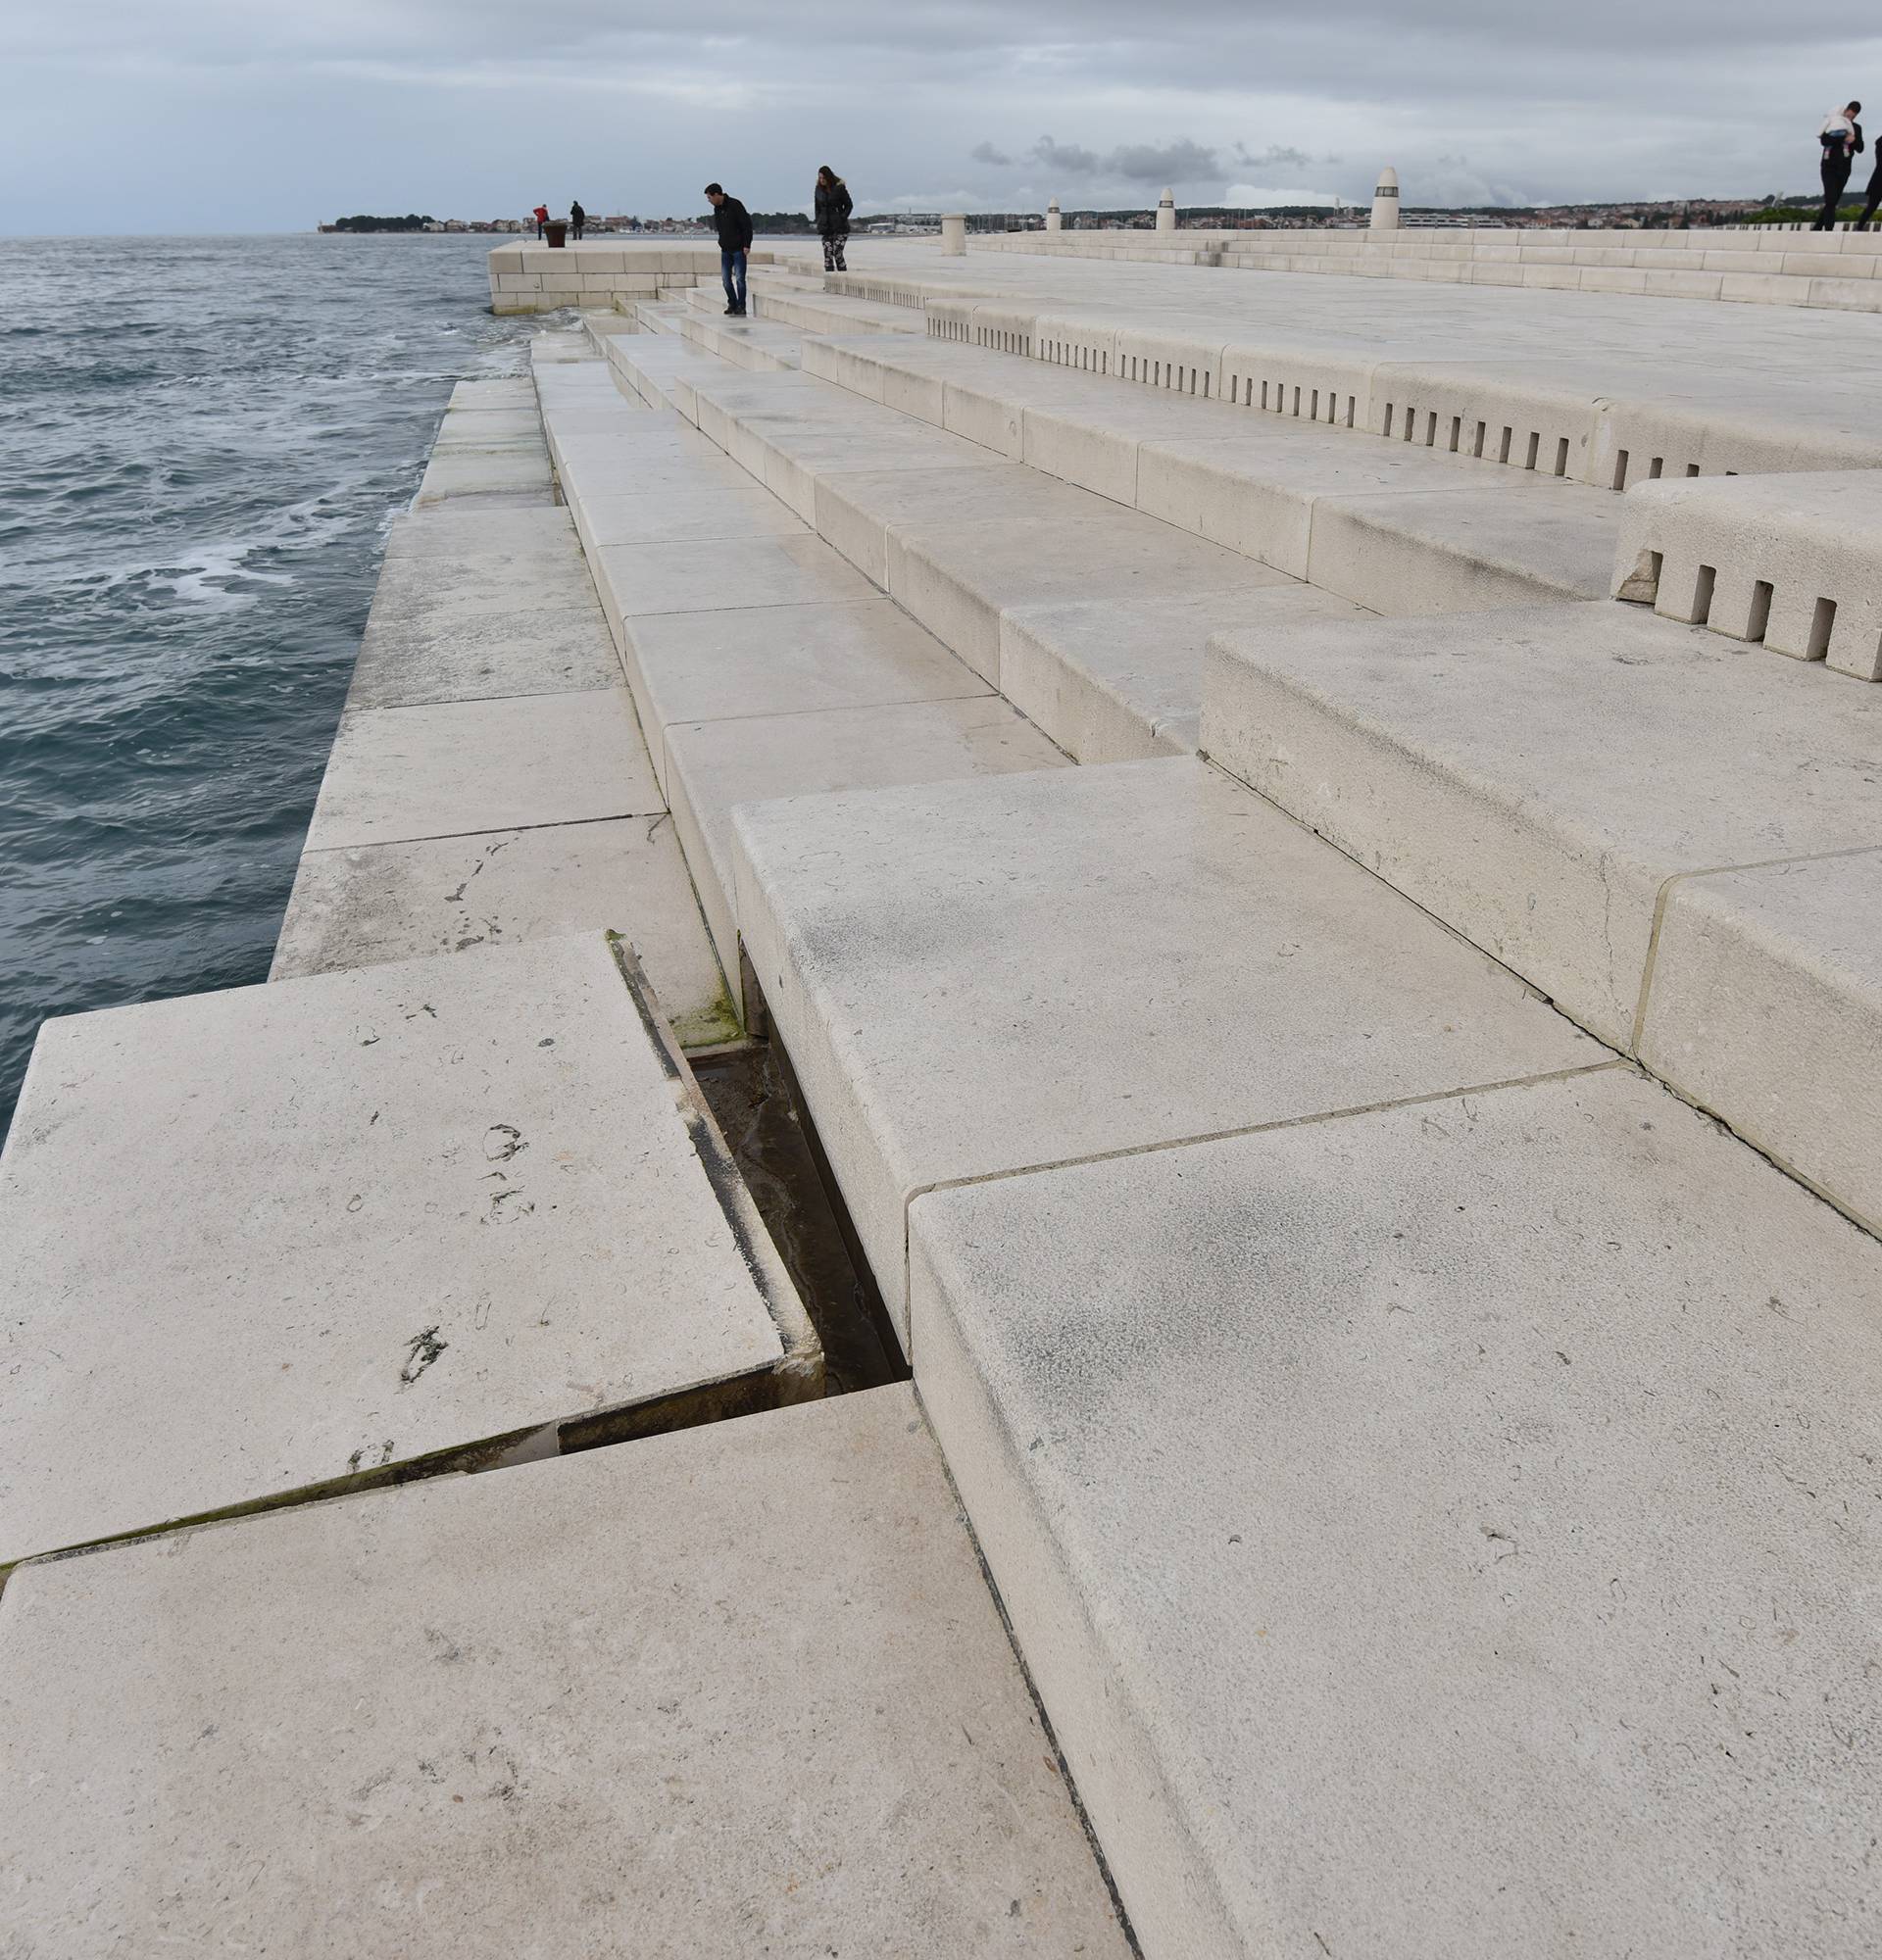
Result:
410,222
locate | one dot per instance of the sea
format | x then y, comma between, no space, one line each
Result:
202,443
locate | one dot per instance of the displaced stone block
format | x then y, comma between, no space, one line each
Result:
420,1215
579,1707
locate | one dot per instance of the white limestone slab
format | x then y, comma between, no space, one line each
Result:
506,391
1765,1006
1535,776
452,768
1256,492
676,514
483,472
857,510
960,581
264,1242
488,429
785,659
455,530
435,588
976,977
379,903
1118,680
712,766
675,473
1459,550
737,1689
469,658
1791,561
1445,1532
688,577
1095,435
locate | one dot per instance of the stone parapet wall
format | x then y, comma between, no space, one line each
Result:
541,279
1836,269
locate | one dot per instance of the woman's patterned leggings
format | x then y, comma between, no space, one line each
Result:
833,254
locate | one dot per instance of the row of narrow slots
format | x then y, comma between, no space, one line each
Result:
1823,615
1479,443
1276,395
1656,468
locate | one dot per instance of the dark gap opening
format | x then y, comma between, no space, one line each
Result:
1822,625
1761,609
755,1100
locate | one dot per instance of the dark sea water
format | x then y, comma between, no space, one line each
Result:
201,443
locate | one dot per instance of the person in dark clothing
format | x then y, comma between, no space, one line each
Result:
733,223
833,206
1841,137
578,217
1872,197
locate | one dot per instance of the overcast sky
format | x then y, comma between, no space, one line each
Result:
257,114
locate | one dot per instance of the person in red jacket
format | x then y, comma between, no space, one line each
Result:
541,216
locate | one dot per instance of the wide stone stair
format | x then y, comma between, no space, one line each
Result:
1349,1057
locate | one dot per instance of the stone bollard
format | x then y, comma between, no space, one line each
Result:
1385,201
1053,221
954,235
1167,212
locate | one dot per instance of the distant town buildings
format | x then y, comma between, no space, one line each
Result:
1669,213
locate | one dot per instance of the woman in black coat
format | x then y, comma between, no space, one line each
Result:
833,207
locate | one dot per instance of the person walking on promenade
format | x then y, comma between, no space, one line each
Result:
733,223
1872,197
1841,137
541,216
578,217
833,206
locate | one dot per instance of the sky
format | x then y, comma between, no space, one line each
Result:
193,116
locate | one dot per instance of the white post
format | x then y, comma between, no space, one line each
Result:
954,235
1053,221
1385,201
1167,212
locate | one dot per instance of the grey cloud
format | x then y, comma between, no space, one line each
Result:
1278,156
1080,163
1182,161
435,105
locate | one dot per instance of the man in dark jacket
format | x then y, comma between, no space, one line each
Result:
733,223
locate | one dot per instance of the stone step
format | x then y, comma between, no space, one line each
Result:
1399,529
755,344
1489,375
1583,791
831,312
1790,562
657,365
977,978
746,1686
1033,582
487,783
425,1217
1443,1531
761,665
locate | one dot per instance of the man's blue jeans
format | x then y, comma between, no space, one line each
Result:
731,268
